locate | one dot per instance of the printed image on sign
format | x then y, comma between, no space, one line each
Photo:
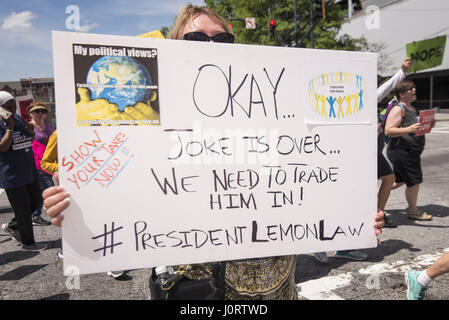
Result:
5,114
116,85
22,103
336,95
426,118
234,171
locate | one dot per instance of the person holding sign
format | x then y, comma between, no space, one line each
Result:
18,174
405,148
259,278
427,120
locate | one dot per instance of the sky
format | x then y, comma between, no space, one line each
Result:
25,27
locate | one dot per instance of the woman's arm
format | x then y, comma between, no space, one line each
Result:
393,122
385,88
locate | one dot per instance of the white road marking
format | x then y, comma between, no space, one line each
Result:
321,289
441,128
438,131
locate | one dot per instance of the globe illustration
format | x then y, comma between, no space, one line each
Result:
120,80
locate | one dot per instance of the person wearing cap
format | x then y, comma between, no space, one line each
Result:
18,174
38,112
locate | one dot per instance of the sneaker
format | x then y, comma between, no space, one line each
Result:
39,221
351,255
15,235
115,274
36,247
321,257
415,291
60,254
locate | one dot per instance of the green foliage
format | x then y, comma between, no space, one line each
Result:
325,31
164,30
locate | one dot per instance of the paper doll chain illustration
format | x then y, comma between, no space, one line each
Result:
337,103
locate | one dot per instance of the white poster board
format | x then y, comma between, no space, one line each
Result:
180,152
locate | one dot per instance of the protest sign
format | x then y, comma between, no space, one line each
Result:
22,102
426,118
180,152
426,54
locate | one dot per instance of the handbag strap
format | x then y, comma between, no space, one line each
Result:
219,273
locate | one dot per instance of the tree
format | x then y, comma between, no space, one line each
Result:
325,32
164,30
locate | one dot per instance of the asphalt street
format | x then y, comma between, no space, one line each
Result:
25,275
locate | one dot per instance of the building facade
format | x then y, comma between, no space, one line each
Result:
394,23
43,90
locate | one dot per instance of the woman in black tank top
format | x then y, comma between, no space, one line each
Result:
404,149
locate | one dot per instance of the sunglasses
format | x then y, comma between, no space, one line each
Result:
40,111
223,37
411,88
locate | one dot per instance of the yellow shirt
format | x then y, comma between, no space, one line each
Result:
49,160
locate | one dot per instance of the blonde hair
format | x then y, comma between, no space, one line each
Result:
189,12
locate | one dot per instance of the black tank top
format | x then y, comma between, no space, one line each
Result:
408,141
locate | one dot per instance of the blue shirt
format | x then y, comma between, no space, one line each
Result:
17,167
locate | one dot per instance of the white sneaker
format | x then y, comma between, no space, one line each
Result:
115,274
15,235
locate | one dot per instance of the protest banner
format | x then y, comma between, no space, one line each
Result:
180,152
22,102
426,54
426,118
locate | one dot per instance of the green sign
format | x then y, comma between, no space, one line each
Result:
427,53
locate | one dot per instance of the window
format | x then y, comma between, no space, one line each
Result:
441,91
422,93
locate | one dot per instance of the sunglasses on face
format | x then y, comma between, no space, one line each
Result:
411,88
40,111
223,37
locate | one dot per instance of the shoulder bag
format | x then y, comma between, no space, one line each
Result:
180,287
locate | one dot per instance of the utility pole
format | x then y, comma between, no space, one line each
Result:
349,9
296,24
312,26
